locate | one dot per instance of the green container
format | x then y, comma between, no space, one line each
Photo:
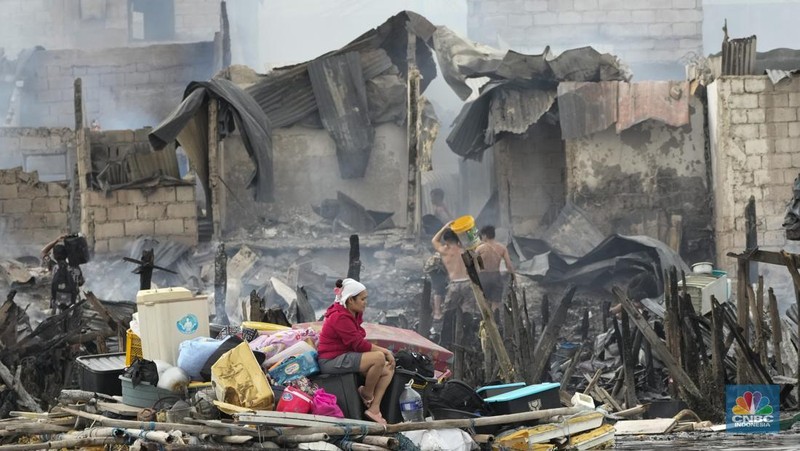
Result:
144,394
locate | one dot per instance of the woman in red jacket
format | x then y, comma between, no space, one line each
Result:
343,348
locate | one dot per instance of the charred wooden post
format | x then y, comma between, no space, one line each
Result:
354,262
585,325
792,266
549,336
506,368
606,310
672,328
751,237
630,364
576,357
545,309
661,351
256,307
717,346
514,322
741,314
760,345
413,120
750,364
692,328
214,186
220,284
425,310
775,329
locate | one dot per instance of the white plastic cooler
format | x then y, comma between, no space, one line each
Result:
168,316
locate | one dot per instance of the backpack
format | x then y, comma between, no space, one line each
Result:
64,287
457,395
414,361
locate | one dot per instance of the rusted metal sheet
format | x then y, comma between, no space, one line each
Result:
586,108
666,101
739,56
514,108
340,93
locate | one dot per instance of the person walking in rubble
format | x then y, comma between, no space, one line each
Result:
67,277
493,253
459,298
343,347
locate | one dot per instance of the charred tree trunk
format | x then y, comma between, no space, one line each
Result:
354,264
220,284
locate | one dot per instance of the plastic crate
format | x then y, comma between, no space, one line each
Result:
133,347
100,373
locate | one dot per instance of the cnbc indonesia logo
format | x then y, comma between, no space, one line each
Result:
752,409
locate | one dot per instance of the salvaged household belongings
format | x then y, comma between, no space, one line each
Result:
295,367
238,379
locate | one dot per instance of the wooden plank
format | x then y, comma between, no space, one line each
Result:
758,255
118,408
741,315
749,362
645,427
791,264
25,399
600,438
658,346
549,336
544,433
717,345
269,417
629,363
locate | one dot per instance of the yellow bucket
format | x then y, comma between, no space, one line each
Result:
467,233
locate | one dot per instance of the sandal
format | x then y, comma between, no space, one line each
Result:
376,417
367,401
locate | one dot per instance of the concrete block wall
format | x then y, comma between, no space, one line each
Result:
196,20
755,153
58,24
638,182
32,212
534,166
123,215
123,87
48,151
645,33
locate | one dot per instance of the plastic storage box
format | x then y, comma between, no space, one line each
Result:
100,373
525,399
144,394
295,367
168,316
494,390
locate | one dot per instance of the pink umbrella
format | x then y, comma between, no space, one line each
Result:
395,339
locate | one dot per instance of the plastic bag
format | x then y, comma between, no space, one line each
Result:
324,403
192,355
238,379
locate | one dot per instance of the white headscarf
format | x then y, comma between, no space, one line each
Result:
350,288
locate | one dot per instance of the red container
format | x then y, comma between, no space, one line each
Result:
294,400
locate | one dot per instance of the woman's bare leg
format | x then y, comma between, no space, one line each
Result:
372,364
381,386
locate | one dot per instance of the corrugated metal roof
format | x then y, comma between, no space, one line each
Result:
341,97
586,108
514,109
739,56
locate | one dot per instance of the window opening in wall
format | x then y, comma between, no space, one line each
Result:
151,20
93,9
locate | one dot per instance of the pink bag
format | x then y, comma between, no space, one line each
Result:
294,400
324,403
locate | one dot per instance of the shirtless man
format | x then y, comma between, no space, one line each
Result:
459,297
439,208
492,253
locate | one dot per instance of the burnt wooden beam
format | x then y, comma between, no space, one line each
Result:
549,336
742,315
425,310
771,257
751,237
718,350
749,362
775,330
658,347
791,265
23,397
545,309
354,260
220,284
628,361
256,309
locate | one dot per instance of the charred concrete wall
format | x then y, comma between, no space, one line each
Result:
533,166
118,218
95,24
48,151
115,219
755,153
641,181
651,35
123,87
306,172
32,212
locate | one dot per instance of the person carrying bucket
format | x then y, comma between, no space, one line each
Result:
459,298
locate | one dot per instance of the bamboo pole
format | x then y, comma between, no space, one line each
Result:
386,442
355,446
159,426
308,438
66,443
